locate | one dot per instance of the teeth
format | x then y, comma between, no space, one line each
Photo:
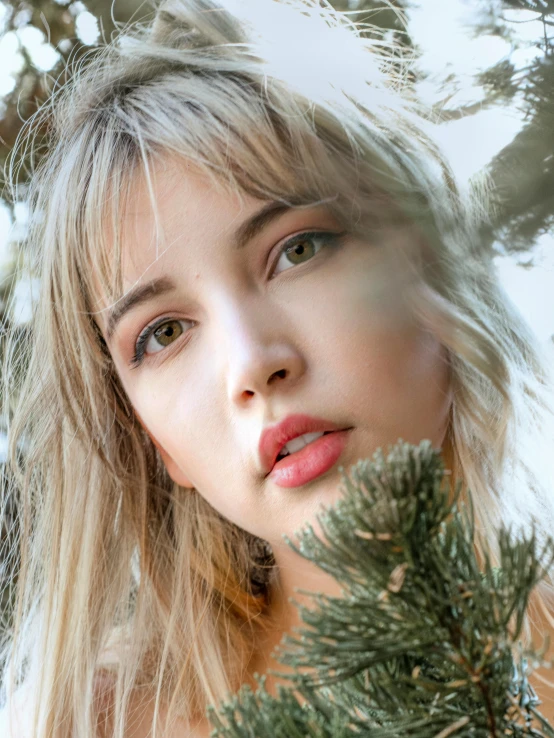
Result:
297,443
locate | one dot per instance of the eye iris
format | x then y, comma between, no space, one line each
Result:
299,250
167,332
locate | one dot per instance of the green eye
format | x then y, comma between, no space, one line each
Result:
304,247
154,338
297,253
164,334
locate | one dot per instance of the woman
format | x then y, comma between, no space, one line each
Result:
243,235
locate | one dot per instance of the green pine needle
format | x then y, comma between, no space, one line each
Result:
418,644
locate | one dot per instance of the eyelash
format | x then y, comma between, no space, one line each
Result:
329,238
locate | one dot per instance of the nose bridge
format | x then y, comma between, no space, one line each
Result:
256,349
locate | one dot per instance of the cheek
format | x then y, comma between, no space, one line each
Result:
382,366
416,387
403,379
179,421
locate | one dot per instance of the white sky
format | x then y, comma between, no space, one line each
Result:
472,141
469,142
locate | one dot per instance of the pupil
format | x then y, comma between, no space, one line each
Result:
167,332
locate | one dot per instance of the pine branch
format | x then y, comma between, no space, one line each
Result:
421,643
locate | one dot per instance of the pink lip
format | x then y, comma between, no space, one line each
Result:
273,439
311,461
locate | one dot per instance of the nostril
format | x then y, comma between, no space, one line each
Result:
281,373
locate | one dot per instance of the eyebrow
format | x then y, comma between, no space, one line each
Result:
135,297
248,230
257,222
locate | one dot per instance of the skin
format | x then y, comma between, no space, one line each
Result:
264,337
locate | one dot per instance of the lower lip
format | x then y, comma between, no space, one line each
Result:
311,461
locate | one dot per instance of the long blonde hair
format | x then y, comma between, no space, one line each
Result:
123,579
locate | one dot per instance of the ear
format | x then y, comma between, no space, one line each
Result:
173,469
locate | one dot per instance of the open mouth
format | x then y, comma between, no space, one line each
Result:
311,460
285,452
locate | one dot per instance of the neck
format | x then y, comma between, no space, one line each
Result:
293,573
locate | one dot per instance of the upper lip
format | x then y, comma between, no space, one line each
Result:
274,438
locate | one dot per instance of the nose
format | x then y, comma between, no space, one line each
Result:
261,357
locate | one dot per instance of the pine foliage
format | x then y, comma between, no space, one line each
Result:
423,642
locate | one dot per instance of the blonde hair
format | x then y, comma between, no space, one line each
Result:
123,576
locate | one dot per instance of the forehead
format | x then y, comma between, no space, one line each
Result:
178,204
174,202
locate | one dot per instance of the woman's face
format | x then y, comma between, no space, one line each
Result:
233,334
